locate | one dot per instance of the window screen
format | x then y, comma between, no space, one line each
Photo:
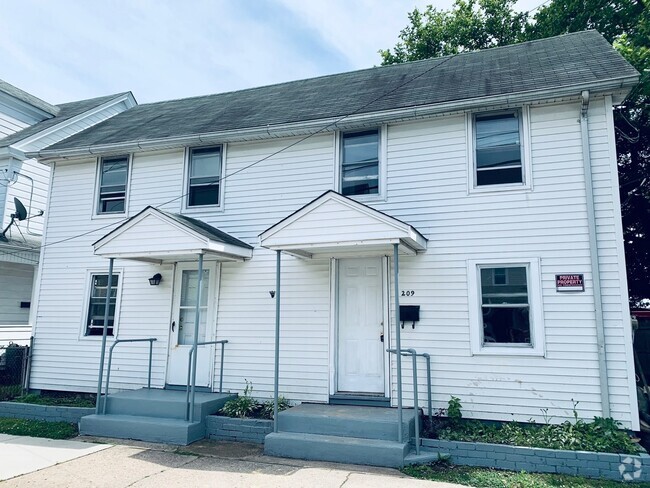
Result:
97,305
204,177
498,149
360,163
112,184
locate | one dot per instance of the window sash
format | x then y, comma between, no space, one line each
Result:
360,162
204,180
495,147
113,178
97,304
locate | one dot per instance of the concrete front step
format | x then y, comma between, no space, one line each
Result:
427,455
142,428
346,421
351,450
164,403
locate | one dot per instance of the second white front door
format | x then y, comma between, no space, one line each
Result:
360,326
183,318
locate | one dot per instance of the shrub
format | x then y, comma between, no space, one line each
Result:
267,407
245,406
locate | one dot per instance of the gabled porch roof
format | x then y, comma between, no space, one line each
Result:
334,225
157,236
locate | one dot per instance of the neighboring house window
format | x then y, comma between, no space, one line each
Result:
505,309
97,304
360,162
113,177
498,149
204,176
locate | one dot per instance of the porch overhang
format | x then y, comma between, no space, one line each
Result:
335,226
156,236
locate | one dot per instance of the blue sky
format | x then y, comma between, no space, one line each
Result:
162,49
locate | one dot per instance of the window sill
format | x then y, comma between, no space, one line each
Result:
508,351
202,209
367,198
105,216
508,188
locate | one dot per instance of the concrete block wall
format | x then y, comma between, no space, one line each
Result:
50,413
240,430
619,467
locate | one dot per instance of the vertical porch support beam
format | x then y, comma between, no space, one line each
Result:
276,379
102,355
197,319
398,341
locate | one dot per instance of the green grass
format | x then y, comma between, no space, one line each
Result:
61,400
38,428
492,478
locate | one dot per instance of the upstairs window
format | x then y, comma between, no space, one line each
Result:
113,177
498,151
97,305
204,178
360,163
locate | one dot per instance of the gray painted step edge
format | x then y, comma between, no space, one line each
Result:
162,408
344,427
350,450
151,429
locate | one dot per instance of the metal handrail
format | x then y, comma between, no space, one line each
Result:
414,354
110,360
189,405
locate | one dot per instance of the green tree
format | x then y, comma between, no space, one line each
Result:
478,24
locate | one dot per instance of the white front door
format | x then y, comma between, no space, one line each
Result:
183,317
360,317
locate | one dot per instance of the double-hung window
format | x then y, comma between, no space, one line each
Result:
204,176
97,305
498,155
505,307
113,178
360,162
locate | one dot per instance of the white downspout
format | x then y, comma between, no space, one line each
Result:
593,251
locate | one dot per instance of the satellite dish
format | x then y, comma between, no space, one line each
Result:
21,212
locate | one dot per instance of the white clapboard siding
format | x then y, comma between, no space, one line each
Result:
427,174
30,187
16,287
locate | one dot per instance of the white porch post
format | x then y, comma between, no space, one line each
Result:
398,341
107,306
277,341
197,319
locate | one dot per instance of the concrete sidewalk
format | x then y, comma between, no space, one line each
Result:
20,454
207,463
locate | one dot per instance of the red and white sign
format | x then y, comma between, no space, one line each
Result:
570,282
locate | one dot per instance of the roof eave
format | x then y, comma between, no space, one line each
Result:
331,124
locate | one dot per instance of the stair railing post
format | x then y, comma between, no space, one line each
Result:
398,340
223,346
416,402
150,361
428,359
107,306
197,319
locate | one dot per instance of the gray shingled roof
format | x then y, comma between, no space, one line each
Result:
65,111
28,98
571,59
205,229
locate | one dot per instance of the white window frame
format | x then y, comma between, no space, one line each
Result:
90,273
536,315
219,207
96,214
524,138
382,172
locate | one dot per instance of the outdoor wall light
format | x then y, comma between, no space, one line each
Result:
155,279
272,293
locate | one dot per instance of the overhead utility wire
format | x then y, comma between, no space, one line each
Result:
275,153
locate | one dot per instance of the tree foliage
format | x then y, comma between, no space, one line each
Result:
479,24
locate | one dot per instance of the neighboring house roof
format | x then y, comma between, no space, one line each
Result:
65,111
27,98
583,59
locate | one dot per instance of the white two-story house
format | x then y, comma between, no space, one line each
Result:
492,175
30,124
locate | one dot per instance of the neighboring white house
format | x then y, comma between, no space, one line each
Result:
494,172
30,124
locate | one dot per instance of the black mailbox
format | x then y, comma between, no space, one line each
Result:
409,313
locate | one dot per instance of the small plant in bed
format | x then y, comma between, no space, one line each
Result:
59,398
601,435
245,406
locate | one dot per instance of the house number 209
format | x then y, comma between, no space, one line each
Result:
408,293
